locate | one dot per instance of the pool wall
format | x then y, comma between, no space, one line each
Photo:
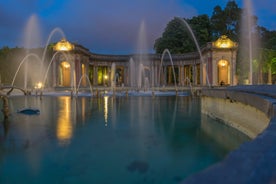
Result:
251,110
237,110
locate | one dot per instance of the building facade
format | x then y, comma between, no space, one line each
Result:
76,66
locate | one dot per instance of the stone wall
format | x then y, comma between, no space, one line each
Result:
246,118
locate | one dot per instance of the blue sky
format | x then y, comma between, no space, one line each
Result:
105,26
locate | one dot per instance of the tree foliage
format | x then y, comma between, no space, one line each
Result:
226,21
177,37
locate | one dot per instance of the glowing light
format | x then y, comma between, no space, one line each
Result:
105,109
222,63
224,42
105,77
63,45
38,85
64,124
65,64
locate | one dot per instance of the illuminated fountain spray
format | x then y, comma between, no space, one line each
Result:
112,75
166,51
132,72
248,40
197,46
142,56
25,59
32,39
113,78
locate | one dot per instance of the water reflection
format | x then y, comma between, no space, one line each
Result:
3,134
178,118
215,132
164,138
82,106
64,122
83,109
105,110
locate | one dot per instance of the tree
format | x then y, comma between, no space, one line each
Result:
218,25
268,58
268,52
177,37
227,21
172,38
202,28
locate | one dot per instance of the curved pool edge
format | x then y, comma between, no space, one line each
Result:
253,161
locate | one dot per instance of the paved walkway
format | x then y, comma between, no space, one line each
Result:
255,161
266,90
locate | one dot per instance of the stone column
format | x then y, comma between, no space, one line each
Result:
126,76
95,75
195,74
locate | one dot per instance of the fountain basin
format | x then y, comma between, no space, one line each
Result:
140,139
254,161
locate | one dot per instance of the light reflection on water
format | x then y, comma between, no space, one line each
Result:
65,120
105,109
98,140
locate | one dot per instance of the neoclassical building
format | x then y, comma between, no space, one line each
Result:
74,65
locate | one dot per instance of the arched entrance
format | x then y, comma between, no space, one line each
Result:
223,72
65,74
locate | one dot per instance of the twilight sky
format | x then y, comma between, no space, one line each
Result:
105,26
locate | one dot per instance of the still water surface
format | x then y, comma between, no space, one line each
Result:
110,140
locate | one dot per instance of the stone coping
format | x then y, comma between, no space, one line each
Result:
253,161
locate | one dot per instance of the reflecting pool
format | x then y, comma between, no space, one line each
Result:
110,140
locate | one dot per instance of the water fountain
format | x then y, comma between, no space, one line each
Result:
49,65
113,78
90,86
32,35
54,31
197,46
190,84
142,57
112,75
46,73
140,75
166,51
23,61
135,132
247,41
32,39
132,72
